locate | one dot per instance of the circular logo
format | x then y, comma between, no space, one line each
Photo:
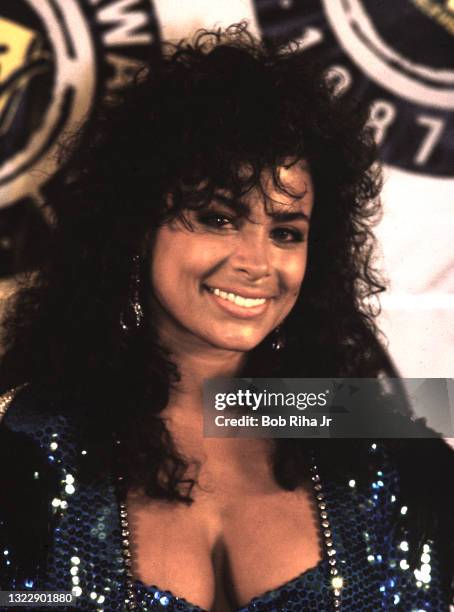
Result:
56,59
374,51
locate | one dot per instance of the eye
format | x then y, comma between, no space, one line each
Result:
287,235
215,220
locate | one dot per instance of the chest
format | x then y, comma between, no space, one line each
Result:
228,546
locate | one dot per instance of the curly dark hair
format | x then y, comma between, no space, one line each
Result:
203,112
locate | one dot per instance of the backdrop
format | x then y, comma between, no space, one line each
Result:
58,57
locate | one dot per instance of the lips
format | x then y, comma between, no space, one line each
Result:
242,292
238,304
239,300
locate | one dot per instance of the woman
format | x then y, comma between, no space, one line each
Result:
215,222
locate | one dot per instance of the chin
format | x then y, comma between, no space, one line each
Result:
235,343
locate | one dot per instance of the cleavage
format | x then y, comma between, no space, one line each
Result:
220,552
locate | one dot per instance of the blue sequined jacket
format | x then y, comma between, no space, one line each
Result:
61,533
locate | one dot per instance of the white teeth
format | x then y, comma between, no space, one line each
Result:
238,299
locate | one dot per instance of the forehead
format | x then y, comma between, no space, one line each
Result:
286,189
289,185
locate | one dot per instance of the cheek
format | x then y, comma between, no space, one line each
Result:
181,259
167,259
294,271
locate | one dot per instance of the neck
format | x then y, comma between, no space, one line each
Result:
196,366
197,361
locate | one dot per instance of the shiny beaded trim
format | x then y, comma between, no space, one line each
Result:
335,579
5,401
7,398
325,524
130,601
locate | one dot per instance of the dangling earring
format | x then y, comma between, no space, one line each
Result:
131,318
278,339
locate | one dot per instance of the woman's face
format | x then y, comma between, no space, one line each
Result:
232,279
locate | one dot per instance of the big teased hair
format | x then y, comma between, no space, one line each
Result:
203,112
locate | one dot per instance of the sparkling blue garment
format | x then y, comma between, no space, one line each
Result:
85,556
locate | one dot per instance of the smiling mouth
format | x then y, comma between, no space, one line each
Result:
239,300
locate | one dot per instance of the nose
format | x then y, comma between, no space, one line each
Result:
251,256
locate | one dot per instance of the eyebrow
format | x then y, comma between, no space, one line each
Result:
288,216
279,216
233,204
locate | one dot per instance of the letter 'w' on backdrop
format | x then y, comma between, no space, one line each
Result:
59,57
